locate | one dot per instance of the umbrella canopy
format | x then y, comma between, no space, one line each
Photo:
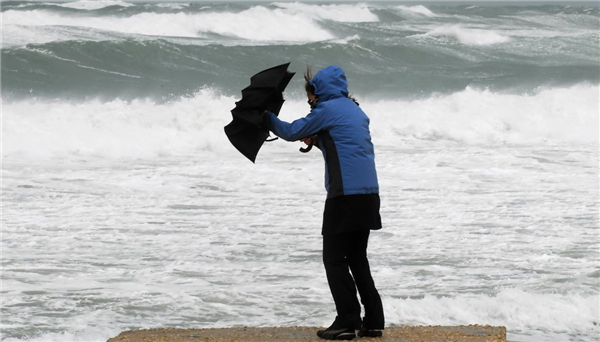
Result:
265,92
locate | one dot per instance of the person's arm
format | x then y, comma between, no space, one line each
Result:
298,129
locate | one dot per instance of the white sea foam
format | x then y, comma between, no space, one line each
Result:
176,5
96,4
481,116
144,129
418,9
117,128
16,35
283,25
340,13
472,235
542,317
345,40
84,334
468,36
142,215
515,309
21,35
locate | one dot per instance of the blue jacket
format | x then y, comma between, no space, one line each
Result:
343,135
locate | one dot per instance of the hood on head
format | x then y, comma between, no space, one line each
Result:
330,83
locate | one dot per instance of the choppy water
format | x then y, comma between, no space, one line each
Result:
167,50
124,206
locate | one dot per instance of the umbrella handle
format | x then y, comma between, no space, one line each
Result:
307,149
272,139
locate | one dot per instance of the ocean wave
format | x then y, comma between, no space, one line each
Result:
295,22
177,5
116,129
473,116
340,13
21,36
547,315
94,5
418,10
169,68
468,36
248,24
145,129
87,334
544,317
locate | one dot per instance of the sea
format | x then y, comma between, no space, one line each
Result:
124,205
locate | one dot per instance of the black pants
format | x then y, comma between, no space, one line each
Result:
342,253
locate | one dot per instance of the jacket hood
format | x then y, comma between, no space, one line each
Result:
330,83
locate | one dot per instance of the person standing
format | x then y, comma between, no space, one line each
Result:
340,129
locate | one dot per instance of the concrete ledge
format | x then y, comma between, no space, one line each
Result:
463,333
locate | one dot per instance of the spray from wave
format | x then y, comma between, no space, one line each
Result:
468,36
145,129
93,5
521,311
248,24
340,13
483,117
87,334
417,10
293,22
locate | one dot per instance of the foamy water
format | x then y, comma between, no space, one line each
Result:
469,36
151,219
124,206
502,236
94,5
146,129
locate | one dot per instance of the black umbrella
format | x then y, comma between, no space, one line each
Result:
264,93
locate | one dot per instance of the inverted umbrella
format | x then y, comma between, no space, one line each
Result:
265,92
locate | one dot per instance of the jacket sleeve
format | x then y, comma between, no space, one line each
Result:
298,129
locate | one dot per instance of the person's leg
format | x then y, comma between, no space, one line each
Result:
359,264
340,281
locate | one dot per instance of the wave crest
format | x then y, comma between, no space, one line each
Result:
468,36
282,25
94,5
340,13
482,117
145,129
292,22
418,9
522,311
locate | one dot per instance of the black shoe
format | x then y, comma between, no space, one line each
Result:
366,332
336,333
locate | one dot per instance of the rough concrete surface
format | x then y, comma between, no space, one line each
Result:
467,333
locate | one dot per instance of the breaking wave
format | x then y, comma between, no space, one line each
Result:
418,10
145,129
341,13
247,24
529,316
468,36
293,22
94,5
554,317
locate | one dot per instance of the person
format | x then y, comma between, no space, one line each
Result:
340,129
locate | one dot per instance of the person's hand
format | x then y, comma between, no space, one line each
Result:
312,140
